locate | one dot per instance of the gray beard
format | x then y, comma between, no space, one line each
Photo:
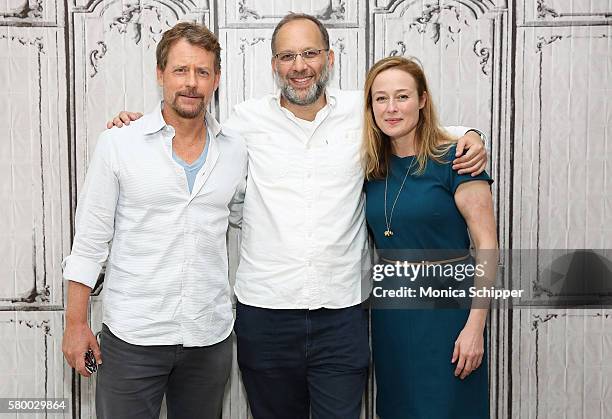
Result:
313,93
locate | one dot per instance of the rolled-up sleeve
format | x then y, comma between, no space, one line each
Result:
95,217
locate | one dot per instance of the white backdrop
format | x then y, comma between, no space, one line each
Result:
534,75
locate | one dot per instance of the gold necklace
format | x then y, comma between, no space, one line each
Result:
388,231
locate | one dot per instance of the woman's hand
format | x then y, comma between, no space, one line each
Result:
469,350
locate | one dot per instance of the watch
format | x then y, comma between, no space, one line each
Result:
480,133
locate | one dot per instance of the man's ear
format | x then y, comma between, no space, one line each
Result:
217,79
331,57
160,76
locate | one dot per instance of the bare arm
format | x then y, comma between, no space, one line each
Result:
475,203
78,337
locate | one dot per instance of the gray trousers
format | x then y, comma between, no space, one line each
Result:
133,379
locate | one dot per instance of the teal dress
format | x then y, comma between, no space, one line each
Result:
412,348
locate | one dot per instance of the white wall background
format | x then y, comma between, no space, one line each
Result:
534,75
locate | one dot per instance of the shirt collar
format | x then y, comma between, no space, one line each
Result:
154,121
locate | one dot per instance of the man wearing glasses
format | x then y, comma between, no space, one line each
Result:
302,333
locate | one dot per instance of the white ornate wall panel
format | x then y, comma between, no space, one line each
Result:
563,362
564,113
35,215
31,12
534,75
266,13
565,12
114,61
561,198
31,363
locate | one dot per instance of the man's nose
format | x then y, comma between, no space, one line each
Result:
299,63
191,79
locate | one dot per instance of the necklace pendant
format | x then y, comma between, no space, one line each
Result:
388,233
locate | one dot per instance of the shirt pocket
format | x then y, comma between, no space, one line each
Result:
343,155
268,156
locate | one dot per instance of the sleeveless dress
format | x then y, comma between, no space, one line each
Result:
412,348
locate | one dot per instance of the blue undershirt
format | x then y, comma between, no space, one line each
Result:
192,170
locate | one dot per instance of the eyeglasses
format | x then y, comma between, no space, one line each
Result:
308,55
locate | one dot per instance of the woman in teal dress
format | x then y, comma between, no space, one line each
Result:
429,363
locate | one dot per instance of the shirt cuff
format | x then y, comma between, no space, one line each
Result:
82,270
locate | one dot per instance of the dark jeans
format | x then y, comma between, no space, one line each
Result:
296,362
133,379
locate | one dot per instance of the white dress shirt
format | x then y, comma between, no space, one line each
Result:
166,277
304,237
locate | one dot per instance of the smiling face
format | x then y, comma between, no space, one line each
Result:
189,79
396,103
301,82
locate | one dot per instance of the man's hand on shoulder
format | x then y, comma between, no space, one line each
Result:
474,161
124,117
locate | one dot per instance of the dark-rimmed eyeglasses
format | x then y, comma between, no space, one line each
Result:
308,55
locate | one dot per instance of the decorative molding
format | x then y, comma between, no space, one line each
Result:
130,21
31,9
35,295
331,12
340,50
538,320
544,10
401,51
37,42
42,325
245,12
96,55
484,53
543,41
244,44
435,17
38,293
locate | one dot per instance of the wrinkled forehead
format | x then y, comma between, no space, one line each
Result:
183,52
299,35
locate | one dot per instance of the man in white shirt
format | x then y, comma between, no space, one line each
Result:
302,333
162,191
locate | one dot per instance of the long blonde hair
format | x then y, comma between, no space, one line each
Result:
430,140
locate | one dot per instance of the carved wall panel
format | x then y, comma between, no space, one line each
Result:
35,216
562,97
562,364
31,364
534,75
562,121
266,13
565,12
455,42
31,12
114,68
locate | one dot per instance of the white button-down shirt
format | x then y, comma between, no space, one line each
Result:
304,237
167,273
